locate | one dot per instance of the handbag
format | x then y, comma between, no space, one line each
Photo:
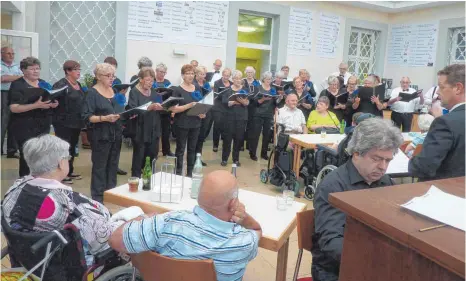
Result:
328,130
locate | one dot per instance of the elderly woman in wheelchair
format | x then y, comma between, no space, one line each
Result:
39,204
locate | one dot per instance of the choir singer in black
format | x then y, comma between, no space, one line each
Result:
219,110
186,127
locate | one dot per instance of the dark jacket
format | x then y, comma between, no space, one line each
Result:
68,111
330,221
442,154
148,127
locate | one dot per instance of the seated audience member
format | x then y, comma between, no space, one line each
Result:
223,230
321,118
443,150
373,145
51,204
424,121
292,117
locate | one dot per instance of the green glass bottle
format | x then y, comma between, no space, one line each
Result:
146,174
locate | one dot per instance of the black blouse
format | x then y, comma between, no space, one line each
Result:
182,120
343,99
148,127
307,100
236,112
68,111
31,123
219,106
267,108
98,105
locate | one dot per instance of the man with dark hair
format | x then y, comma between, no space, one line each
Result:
373,145
443,150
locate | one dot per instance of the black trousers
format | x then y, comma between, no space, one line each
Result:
402,120
234,130
11,144
204,131
259,124
71,136
23,166
141,150
218,127
166,128
186,137
105,157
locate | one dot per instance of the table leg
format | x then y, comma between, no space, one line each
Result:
282,261
296,159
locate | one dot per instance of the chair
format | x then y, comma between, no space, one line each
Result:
417,150
155,267
305,225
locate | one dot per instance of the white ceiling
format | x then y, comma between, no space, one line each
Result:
395,6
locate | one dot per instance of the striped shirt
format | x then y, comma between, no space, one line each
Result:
195,235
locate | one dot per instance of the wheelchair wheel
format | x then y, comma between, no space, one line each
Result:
264,176
120,273
325,171
309,192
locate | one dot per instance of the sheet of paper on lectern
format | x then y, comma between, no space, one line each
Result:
440,206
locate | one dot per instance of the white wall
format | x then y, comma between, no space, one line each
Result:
320,68
425,77
163,52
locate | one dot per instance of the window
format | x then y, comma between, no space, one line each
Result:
457,45
362,51
254,43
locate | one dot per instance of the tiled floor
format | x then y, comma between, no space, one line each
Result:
262,268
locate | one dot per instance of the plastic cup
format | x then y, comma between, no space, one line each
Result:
323,133
281,202
133,183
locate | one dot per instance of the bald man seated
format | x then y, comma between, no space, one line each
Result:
218,228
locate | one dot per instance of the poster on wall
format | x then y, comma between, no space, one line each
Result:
413,44
186,22
327,35
300,32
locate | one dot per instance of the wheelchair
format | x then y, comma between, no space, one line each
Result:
319,163
59,256
281,174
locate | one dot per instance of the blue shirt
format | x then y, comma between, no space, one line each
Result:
12,69
195,235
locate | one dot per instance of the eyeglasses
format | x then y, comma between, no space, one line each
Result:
11,54
33,69
109,76
68,158
77,69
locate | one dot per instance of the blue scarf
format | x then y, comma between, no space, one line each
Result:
45,85
196,95
255,83
120,99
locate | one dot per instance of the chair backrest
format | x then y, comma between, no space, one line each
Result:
155,267
417,150
305,224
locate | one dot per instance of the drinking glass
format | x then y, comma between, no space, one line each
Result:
281,202
289,197
133,183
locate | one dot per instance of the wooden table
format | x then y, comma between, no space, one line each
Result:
387,114
277,226
309,141
383,242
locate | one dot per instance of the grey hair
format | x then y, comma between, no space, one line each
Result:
200,69
144,62
250,68
280,74
227,70
43,153
161,66
332,79
424,121
236,73
370,79
266,75
375,133
324,99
